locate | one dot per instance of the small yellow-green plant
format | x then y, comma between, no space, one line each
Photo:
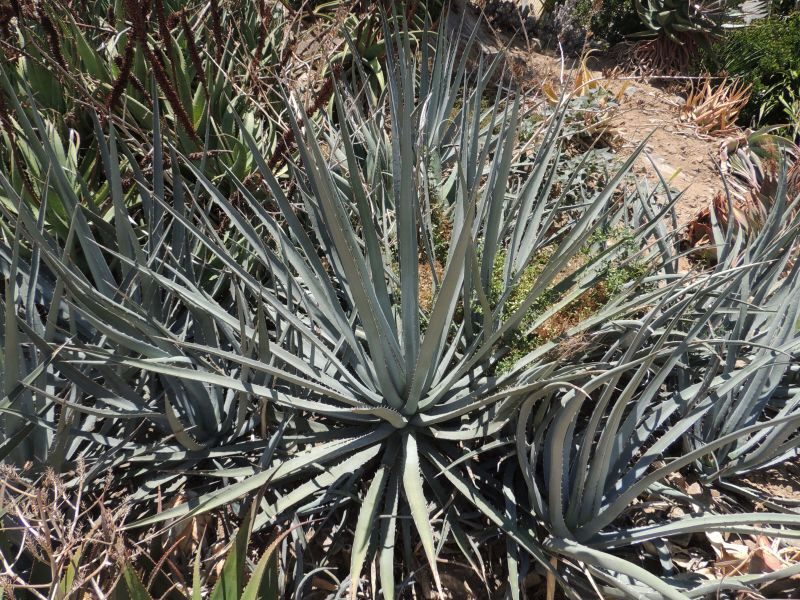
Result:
625,270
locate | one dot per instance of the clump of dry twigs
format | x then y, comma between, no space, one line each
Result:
77,541
60,540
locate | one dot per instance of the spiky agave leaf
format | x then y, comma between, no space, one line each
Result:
703,381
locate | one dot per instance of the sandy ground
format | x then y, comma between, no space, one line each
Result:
685,158
682,157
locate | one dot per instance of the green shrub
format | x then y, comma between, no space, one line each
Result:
571,20
766,55
616,275
615,20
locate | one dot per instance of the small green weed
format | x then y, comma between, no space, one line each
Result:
618,274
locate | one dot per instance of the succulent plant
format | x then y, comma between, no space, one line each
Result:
679,18
285,362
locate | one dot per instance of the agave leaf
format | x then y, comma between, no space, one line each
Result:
412,489
435,339
387,355
742,582
326,480
135,587
386,560
364,526
611,563
263,582
742,522
197,591
319,455
231,580
401,90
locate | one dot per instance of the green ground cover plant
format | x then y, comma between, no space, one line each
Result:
765,55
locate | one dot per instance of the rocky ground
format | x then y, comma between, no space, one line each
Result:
684,157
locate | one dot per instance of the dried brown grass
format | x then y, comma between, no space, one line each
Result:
77,537
427,287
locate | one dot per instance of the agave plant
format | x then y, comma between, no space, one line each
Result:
678,18
706,380
762,331
288,358
307,327
585,468
751,162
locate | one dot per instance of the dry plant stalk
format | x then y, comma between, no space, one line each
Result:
581,84
597,119
715,109
64,529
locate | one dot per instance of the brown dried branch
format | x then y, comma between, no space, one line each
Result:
216,30
164,83
124,75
